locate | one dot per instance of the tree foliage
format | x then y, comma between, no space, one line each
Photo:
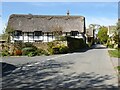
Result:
102,34
6,35
57,31
116,37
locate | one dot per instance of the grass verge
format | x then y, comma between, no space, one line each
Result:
114,53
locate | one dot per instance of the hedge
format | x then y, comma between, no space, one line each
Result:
75,43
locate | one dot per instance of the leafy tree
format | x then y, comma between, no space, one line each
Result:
6,35
94,27
102,34
116,37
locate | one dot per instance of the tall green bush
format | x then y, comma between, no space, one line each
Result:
102,34
63,49
56,48
5,53
75,44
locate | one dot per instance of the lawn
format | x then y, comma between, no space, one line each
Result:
114,53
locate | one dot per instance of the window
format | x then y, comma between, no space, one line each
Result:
17,33
74,33
38,33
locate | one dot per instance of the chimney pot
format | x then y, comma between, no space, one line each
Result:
68,13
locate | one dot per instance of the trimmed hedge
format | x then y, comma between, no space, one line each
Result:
75,44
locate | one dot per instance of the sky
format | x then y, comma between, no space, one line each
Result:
94,12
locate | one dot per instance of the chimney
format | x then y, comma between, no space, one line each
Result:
68,13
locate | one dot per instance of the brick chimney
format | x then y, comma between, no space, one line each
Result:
68,13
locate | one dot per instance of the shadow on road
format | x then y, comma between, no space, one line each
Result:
7,68
49,75
96,46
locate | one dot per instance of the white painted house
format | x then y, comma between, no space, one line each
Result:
41,28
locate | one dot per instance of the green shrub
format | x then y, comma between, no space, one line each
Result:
110,45
50,44
118,67
5,53
46,53
63,49
30,51
41,52
31,54
27,50
114,53
89,44
51,51
28,44
18,45
62,38
50,47
55,49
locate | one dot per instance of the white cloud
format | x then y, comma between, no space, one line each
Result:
101,21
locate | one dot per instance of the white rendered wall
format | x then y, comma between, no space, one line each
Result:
45,38
18,37
38,37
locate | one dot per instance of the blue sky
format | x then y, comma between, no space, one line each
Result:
100,12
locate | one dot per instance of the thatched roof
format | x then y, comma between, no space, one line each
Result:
31,23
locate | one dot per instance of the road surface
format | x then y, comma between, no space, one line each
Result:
87,69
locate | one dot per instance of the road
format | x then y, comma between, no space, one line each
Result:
87,69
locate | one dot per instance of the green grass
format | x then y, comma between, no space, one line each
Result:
118,67
114,53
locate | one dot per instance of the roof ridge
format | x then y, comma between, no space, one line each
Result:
45,15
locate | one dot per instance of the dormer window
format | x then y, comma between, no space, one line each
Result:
38,33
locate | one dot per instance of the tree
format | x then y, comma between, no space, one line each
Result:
116,37
8,31
94,27
102,34
57,31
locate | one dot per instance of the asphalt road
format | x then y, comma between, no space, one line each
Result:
87,69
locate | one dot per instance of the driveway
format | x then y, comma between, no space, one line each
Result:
86,69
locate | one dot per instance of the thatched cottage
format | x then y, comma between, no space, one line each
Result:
111,30
41,28
90,34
